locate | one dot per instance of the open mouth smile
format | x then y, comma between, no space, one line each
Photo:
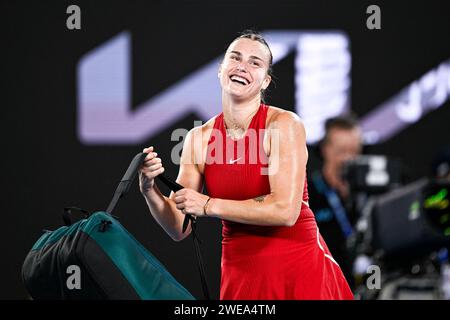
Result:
240,80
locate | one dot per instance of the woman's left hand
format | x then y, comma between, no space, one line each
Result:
190,201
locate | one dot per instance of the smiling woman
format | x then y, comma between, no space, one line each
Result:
260,61
271,246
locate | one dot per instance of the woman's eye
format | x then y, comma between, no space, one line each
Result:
234,58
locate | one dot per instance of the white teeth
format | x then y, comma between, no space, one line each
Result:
237,78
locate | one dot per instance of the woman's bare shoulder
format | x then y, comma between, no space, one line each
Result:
281,116
204,128
208,125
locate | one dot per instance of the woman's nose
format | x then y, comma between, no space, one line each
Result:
240,67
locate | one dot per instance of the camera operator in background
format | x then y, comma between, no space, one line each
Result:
329,194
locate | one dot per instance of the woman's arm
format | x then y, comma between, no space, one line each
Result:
287,169
163,208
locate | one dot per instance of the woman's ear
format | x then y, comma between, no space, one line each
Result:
266,82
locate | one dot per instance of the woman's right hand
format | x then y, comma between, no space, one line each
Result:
151,168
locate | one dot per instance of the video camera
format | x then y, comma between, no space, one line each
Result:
406,221
412,221
372,174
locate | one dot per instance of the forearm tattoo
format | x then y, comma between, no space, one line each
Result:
259,199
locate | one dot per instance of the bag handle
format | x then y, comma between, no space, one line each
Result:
127,179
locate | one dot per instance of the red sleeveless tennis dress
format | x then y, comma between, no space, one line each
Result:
266,262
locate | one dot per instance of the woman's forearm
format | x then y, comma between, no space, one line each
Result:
265,210
164,211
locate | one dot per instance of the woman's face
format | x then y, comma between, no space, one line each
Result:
243,72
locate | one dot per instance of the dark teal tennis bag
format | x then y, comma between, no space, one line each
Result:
97,258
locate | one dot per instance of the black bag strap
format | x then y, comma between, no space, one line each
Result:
123,188
201,266
127,179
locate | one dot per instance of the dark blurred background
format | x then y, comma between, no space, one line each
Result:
46,165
